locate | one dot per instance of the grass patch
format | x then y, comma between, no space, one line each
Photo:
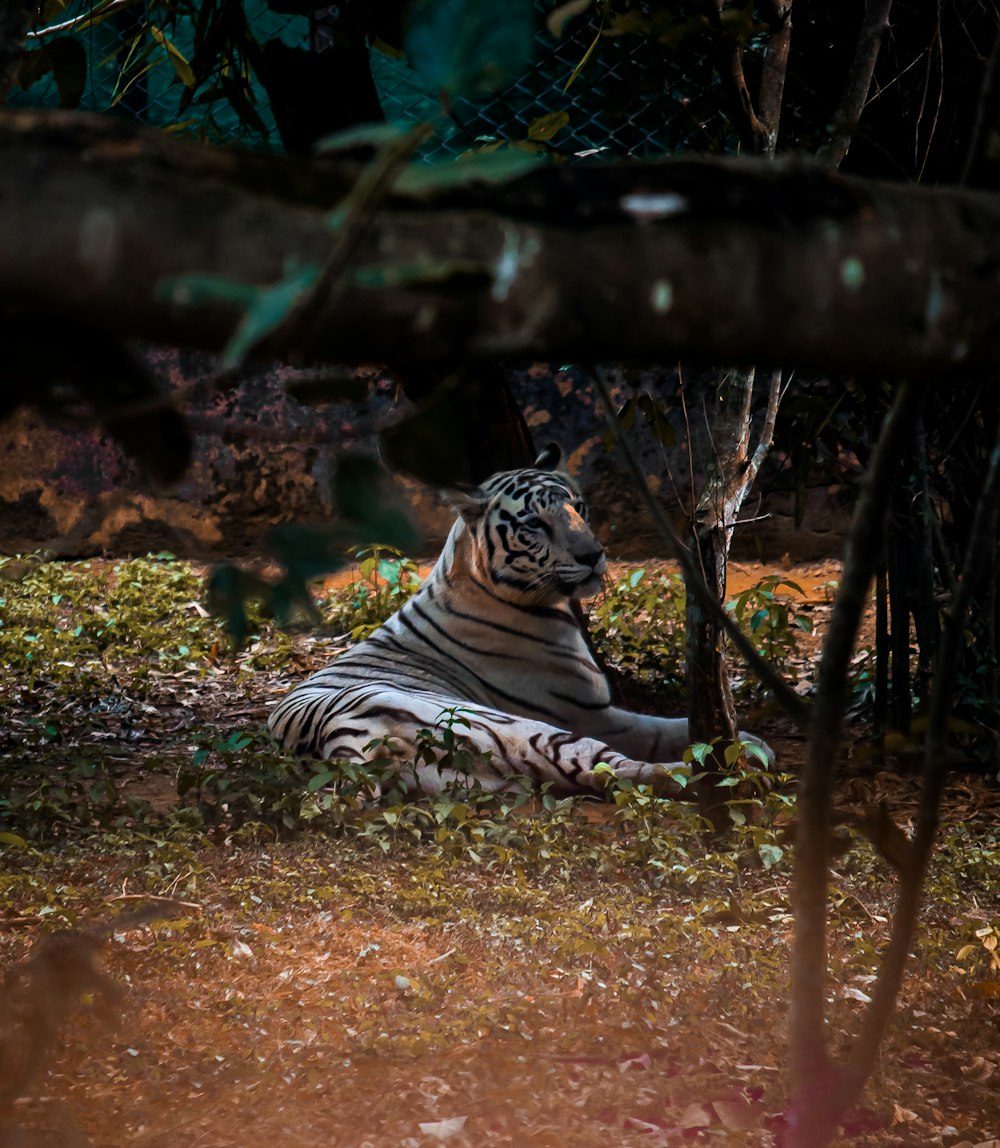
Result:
469,969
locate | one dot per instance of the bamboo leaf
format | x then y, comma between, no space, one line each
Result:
178,61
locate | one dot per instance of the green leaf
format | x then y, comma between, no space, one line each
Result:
751,749
732,754
265,308
545,127
698,752
388,570
583,60
475,167
7,838
469,48
178,61
362,135
318,780
770,855
271,306
198,290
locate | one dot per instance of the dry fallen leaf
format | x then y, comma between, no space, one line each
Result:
443,1130
641,1061
903,1115
695,1116
979,1069
851,993
736,1115
641,1125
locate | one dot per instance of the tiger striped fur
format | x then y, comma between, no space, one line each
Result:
491,633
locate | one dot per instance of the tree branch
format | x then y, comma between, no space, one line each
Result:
982,549
772,80
785,695
815,1093
688,258
986,116
859,80
751,130
763,447
83,20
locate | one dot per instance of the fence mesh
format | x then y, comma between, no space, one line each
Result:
632,97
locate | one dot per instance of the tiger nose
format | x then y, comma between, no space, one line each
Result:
594,559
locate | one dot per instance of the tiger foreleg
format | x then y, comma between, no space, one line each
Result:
441,742
640,736
647,738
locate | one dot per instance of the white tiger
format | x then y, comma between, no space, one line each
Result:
491,636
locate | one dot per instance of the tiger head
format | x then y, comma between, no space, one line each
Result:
530,535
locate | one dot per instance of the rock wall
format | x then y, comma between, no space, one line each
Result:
261,457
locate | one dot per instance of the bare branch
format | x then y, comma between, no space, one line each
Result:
858,82
772,80
983,534
750,129
95,14
816,1096
986,115
774,393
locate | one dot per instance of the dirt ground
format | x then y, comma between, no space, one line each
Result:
568,976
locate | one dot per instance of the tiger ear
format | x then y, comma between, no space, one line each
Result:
468,502
550,458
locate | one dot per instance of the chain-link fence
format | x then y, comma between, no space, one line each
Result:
601,86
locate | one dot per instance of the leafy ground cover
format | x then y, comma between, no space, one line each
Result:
472,972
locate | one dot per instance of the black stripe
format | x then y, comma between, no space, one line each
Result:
593,706
499,626
456,641
549,612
